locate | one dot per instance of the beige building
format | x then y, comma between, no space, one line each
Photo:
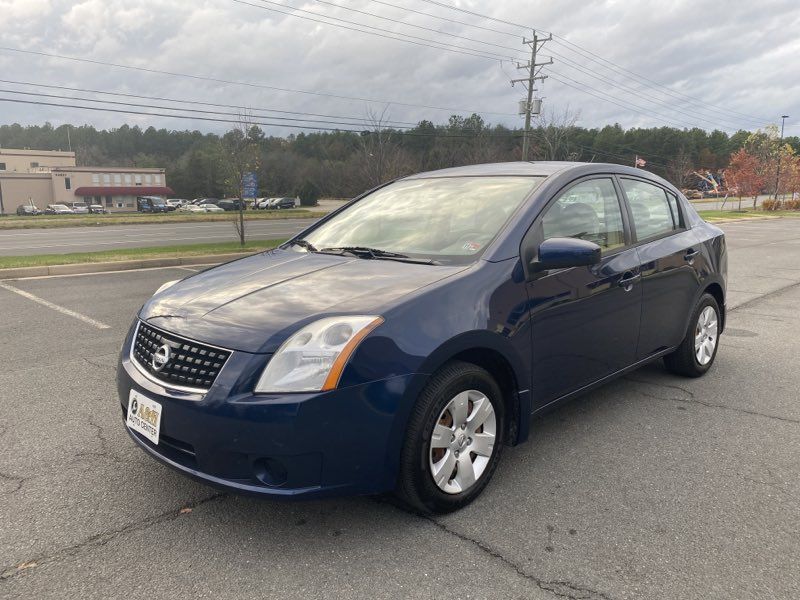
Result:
51,177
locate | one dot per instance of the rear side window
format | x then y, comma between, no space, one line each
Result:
589,211
655,212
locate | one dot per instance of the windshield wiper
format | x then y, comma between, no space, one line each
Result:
304,244
366,252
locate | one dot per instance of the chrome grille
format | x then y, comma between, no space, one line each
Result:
190,364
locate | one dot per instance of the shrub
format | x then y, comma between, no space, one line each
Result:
792,204
309,194
771,204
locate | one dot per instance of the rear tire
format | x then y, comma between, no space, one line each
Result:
698,349
454,439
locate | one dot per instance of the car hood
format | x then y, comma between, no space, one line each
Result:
255,303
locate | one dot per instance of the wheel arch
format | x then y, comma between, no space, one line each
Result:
495,354
715,289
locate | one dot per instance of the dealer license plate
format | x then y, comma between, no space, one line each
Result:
144,416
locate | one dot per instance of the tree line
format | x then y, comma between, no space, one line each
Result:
342,164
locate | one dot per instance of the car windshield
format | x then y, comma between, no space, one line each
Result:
447,219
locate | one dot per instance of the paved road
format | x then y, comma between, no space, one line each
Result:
653,487
727,204
89,239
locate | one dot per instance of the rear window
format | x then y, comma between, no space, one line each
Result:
655,211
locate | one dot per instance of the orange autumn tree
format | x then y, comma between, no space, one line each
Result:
745,173
792,185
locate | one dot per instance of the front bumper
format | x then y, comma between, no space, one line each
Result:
346,441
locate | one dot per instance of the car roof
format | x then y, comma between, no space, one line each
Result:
530,169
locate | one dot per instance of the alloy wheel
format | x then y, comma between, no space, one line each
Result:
462,442
705,335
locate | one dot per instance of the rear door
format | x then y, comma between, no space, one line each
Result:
584,320
670,256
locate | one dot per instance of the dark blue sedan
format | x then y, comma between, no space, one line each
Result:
401,342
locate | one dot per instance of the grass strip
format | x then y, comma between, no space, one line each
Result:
720,215
42,260
54,221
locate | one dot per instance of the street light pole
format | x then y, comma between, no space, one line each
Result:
780,152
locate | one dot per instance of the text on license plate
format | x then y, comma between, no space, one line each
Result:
144,416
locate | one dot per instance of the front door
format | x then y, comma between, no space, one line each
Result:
585,320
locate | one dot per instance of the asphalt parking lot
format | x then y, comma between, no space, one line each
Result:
652,487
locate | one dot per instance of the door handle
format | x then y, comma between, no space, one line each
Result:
690,255
627,281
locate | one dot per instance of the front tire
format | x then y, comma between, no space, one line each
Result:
454,439
698,349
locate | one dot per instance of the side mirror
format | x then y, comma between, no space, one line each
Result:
562,253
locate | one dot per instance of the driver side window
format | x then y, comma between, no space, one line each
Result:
588,211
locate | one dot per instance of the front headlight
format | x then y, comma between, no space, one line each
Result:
164,286
313,359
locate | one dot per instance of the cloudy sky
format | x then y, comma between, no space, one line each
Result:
713,64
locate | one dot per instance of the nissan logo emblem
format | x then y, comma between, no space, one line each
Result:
161,357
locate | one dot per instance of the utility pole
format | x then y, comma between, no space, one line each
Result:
780,151
533,69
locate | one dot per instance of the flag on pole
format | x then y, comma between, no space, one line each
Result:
640,162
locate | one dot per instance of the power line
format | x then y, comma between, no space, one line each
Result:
379,32
664,89
419,12
475,14
436,133
183,109
364,120
596,58
635,92
577,85
565,59
243,83
174,116
436,31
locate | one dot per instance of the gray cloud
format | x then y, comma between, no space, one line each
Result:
738,55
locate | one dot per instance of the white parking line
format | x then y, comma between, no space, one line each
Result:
100,273
138,240
56,307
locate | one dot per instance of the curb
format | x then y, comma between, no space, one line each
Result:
744,219
120,265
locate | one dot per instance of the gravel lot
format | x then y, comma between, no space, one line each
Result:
652,487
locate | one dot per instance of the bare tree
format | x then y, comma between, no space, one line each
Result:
382,159
553,130
242,154
679,168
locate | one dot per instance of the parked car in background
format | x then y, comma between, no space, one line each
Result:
282,203
79,207
231,204
176,203
58,209
208,207
151,204
419,330
97,209
275,203
199,201
191,208
28,210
